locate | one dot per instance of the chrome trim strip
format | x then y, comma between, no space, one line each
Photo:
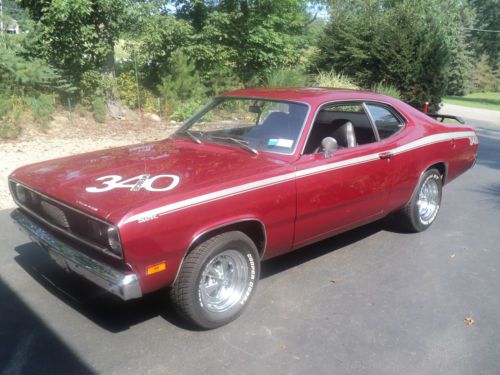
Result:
124,285
216,195
93,245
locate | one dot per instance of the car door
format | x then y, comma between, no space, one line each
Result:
344,190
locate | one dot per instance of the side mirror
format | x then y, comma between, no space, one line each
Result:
329,145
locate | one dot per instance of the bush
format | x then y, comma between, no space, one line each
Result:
181,90
10,112
99,110
333,79
220,81
126,88
388,90
408,43
184,110
43,108
483,77
93,85
285,77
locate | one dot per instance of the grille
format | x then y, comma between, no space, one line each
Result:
73,223
56,215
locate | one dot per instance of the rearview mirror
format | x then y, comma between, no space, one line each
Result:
329,145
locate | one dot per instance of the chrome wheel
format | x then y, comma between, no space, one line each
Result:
223,281
428,200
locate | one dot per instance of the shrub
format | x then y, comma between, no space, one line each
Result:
483,77
285,77
126,88
221,80
43,109
333,79
385,89
10,111
184,110
93,85
181,90
80,110
99,110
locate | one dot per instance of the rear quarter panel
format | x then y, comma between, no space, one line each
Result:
456,151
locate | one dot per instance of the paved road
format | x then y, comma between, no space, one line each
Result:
370,301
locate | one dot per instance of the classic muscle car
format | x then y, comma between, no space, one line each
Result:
254,174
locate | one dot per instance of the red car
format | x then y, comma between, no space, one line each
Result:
254,174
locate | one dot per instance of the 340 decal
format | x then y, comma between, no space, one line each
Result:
161,182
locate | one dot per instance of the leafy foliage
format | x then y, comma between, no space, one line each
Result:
285,77
181,89
44,107
10,113
99,110
484,79
409,44
487,42
388,90
78,35
334,80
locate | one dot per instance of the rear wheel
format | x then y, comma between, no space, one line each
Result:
421,211
217,280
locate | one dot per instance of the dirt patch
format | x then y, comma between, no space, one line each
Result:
63,138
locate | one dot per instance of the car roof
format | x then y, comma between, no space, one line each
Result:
310,95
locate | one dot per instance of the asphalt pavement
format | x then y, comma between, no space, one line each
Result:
373,300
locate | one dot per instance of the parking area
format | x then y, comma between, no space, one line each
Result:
373,300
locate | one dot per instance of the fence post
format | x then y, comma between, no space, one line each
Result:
33,106
70,111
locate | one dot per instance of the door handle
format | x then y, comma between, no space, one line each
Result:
385,155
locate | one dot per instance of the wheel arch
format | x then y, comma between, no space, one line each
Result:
442,168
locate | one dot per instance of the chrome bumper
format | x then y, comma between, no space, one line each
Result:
124,285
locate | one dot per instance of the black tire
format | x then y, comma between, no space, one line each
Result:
410,217
194,298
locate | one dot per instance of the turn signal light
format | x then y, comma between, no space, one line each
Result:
156,268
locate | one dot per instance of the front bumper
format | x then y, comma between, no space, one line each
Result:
124,285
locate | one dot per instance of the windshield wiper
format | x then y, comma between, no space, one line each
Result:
239,142
192,136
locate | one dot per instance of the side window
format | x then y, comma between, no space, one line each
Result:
387,124
348,123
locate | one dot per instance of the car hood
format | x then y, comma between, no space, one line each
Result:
186,170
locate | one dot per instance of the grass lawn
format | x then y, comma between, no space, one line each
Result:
486,100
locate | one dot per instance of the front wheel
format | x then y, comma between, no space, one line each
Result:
421,211
217,280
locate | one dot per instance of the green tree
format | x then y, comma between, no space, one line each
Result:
78,35
409,44
487,18
247,37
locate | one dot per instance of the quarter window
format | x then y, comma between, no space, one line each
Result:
387,124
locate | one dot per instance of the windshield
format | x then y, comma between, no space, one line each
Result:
255,124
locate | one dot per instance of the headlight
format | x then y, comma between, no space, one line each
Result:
21,193
114,241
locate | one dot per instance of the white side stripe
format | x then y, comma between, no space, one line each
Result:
229,192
